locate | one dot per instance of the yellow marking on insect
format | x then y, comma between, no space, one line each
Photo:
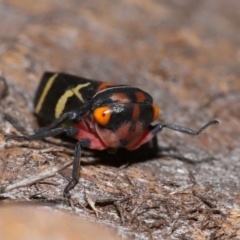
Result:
76,90
64,98
45,92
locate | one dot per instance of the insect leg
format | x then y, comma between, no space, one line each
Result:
69,131
157,128
76,165
154,130
74,115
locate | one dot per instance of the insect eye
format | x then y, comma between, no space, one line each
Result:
102,115
155,112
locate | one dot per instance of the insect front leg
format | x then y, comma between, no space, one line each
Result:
76,165
154,130
157,128
74,115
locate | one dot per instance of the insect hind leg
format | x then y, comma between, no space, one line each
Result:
69,131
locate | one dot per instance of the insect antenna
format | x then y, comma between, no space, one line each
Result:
187,130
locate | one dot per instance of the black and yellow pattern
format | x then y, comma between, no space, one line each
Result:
59,93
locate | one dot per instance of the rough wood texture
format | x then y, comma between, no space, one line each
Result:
186,54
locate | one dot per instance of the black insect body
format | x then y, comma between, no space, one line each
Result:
99,115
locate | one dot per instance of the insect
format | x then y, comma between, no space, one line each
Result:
99,115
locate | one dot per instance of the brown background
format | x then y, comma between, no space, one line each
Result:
186,54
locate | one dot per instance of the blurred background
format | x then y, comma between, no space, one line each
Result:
186,54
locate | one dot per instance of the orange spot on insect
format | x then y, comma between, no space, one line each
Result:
136,111
140,96
156,111
120,97
105,85
102,115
